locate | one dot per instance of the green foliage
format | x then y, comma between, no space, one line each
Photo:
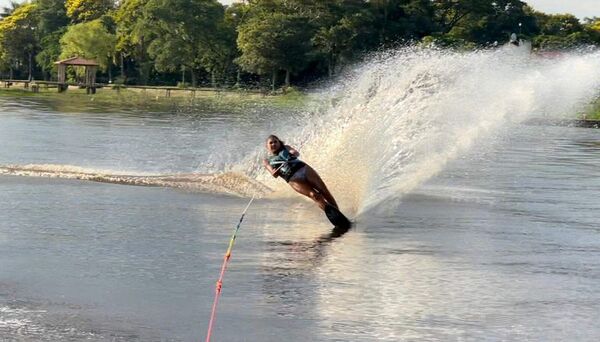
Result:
89,40
447,41
52,16
8,10
50,51
184,33
87,10
487,23
218,59
274,42
131,23
335,42
133,37
163,41
592,29
573,40
17,36
52,25
450,13
563,31
594,112
558,24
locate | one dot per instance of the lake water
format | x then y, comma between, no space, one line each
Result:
501,242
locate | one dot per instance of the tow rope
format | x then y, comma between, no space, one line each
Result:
225,262
223,268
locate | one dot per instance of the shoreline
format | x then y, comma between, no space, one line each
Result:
582,123
160,96
226,99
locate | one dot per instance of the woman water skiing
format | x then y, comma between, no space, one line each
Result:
283,162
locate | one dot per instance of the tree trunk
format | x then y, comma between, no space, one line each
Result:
144,71
144,65
274,81
385,19
331,64
122,62
193,78
183,76
30,77
334,65
287,78
213,79
110,73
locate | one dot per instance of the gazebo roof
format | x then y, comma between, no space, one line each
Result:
78,61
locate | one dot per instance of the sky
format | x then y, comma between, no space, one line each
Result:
580,8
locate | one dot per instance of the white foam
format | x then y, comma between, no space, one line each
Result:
224,183
396,121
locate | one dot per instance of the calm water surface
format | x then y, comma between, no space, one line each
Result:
504,244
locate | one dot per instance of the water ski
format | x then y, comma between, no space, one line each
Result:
336,217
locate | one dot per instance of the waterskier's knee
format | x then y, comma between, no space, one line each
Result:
316,196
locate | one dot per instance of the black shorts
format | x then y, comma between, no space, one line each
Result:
293,168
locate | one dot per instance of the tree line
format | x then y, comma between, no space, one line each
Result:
258,42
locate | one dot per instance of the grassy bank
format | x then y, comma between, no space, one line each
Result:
184,100
164,98
594,112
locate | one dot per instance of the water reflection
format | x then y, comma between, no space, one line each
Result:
289,273
502,246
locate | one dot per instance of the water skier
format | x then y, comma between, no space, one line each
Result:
283,162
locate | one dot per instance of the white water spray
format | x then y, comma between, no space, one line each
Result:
396,121
386,127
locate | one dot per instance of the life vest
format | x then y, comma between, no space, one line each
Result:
286,163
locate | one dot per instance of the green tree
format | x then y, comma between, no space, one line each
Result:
331,40
336,41
401,19
183,32
496,22
304,38
571,41
87,10
340,28
52,15
50,52
450,13
218,60
273,42
52,25
594,24
8,10
89,40
235,15
562,31
18,41
558,24
133,37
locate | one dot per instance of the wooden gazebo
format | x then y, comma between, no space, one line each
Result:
90,66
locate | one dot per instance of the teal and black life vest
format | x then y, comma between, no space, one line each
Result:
287,163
